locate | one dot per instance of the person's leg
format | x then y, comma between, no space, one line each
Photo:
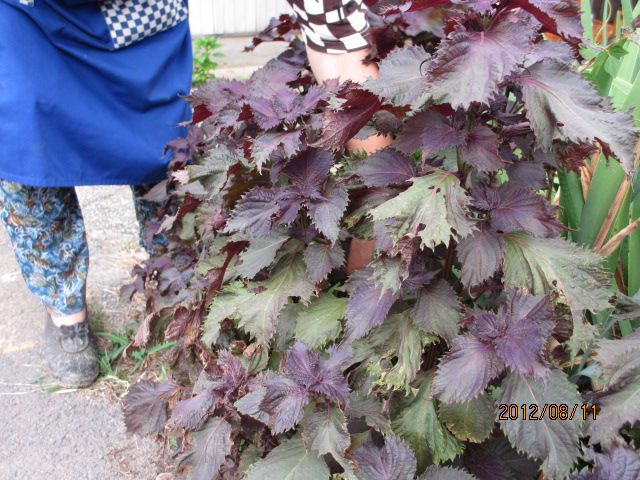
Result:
47,232
147,213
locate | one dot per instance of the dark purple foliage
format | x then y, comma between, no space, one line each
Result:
512,337
308,366
145,409
394,461
305,374
386,167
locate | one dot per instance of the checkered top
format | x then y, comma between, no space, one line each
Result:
333,26
130,21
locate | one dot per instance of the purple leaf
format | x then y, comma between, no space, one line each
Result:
438,310
284,401
385,167
480,255
617,463
562,105
394,461
331,381
529,173
273,75
561,17
519,332
211,446
495,459
368,307
145,406
327,213
321,259
481,150
340,126
429,132
232,372
266,144
193,412
480,6
402,80
613,358
254,213
309,171
323,376
515,208
476,359
435,472
487,57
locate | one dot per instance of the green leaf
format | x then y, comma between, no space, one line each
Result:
287,321
319,323
553,441
619,403
470,421
259,313
436,202
583,334
213,168
325,431
562,105
225,305
415,421
407,349
401,80
438,310
543,264
260,253
289,461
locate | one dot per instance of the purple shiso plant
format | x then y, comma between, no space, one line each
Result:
286,366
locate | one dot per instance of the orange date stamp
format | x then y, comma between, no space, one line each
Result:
551,411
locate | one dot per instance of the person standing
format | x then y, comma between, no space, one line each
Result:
90,94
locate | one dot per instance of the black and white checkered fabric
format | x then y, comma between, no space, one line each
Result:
333,26
130,21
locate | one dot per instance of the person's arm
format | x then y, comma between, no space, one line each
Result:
347,66
336,46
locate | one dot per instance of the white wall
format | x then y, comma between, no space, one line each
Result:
233,16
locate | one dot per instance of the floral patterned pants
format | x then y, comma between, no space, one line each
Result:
46,228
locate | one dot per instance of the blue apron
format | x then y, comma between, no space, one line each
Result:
85,97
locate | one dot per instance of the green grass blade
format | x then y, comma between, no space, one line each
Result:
571,199
604,186
620,222
633,265
587,19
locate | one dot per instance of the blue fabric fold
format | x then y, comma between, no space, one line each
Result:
75,111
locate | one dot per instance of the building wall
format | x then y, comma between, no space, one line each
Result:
220,17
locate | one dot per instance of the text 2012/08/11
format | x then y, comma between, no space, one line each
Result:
550,411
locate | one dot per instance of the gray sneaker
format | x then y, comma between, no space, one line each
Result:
70,353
